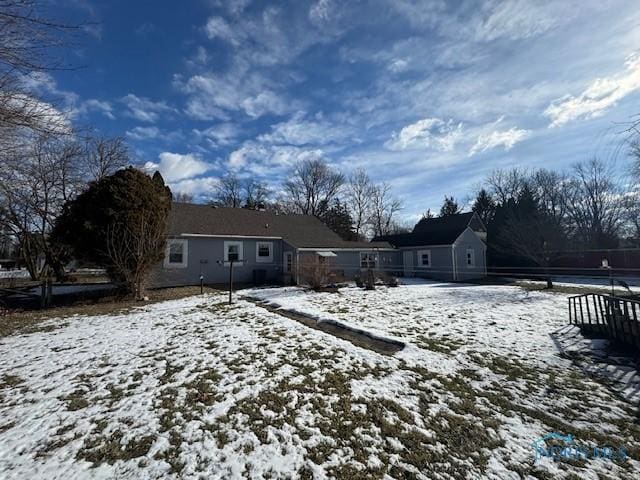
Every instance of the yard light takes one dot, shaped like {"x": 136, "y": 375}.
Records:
{"x": 605, "y": 265}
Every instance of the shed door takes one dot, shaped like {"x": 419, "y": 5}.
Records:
{"x": 287, "y": 266}
{"x": 407, "y": 262}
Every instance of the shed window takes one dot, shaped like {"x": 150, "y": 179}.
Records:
{"x": 368, "y": 260}
{"x": 424, "y": 258}
{"x": 471, "y": 258}
{"x": 176, "y": 254}
{"x": 264, "y": 252}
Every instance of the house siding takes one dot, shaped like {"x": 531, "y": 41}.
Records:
{"x": 349, "y": 262}
{"x": 441, "y": 262}
{"x": 211, "y": 252}
{"x": 469, "y": 239}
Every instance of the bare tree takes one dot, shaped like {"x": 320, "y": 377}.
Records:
{"x": 182, "y": 197}
{"x": 359, "y": 193}
{"x": 105, "y": 155}
{"x": 34, "y": 185}
{"x": 632, "y": 196}
{"x": 594, "y": 204}
{"x": 312, "y": 185}
{"x": 536, "y": 238}
{"x": 132, "y": 248}
{"x": 549, "y": 188}
{"x": 255, "y": 194}
{"x": 27, "y": 41}
{"x": 384, "y": 207}
{"x": 229, "y": 192}
{"x": 507, "y": 184}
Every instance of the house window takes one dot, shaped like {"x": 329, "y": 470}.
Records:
{"x": 368, "y": 260}
{"x": 233, "y": 251}
{"x": 471, "y": 258}
{"x": 424, "y": 258}
{"x": 176, "y": 254}
{"x": 264, "y": 252}
{"x": 288, "y": 262}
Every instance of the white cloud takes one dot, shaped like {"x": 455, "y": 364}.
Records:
{"x": 198, "y": 187}
{"x": 266, "y": 160}
{"x": 94, "y": 105}
{"x": 320, "y": 11}
{"x": 144, "y": 109}
{"x": 44, "y": 84}
{"x": 300, "y": 131}
{"x": 497, "y": 138}
{"x": 218, "y": 27}
{"x": 432, "y": 133}
{"x": 143, "y": 133}
{"x": 520, "y": 19}
{"x": 262, "y": 103}
{"x": 602, "y": 94}
{"x": 221, "y": 134}
{"x": 175, "y": 166}
{"x": 214, "y": 96}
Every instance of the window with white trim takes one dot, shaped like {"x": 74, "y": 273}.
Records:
{"x": 424, "y": 258}
{"x": 471, "y": 258}
{"x": 264, "y": 252}
{"x": 176, "y": 254}
{"x": 233, "y": 251}
{"x": 368, "y": 260}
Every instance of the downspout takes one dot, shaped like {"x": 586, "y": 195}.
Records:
{"x": 484, "y": 259}
{"x": 453, "y": 262}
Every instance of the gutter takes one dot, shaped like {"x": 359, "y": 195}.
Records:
{"x": 203, "y": 235}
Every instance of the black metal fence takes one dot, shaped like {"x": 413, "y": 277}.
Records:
{"x": 615, "y": 317}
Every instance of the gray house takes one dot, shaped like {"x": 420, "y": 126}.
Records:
{"x": 265, "y": 247}
{"x": 450, "y": 248}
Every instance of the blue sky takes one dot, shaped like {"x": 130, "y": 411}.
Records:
{"x": 429, "y": 96}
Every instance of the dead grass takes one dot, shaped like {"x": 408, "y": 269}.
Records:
{"x": 110, "y": 448}
{"x": 28, "y": 321}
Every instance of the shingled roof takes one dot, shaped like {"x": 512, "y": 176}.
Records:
{"x": 301, "y": 231}
{"x": 432, "y": 231}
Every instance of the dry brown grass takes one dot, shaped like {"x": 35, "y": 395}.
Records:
{"x": 28, "y": 321}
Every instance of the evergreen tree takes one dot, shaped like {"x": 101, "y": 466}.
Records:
{"x": 119, "y": 223}
{"x": 427, "y": 215}
{"x": 484, "y": 206}
{"x": 449, "y": 207}
{"x": 338, "y": 219}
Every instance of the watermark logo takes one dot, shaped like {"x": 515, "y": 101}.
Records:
{"x": 556, "y": 446}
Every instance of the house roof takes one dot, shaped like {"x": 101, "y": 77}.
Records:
{"x": 301, "y": 231}
{"x": 432, "y": 231}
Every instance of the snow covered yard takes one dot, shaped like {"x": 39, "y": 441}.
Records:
{"x": 195, "y": 388}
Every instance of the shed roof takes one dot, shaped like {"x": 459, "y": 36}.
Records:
{"x": 432, "y": 231}
{"x": 301, "y": 231}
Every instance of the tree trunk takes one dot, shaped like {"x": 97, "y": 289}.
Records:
{"x": 549, "y": 280}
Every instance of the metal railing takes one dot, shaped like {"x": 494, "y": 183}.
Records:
{"x": 616, "y": 317}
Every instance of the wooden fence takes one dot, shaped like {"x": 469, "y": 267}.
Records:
{"x": 615, "y": 317}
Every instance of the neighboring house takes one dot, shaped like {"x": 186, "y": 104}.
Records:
{"x": 448, "y": 248}
{"x": 266, "y": 247}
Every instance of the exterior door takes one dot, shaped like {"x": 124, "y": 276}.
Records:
{"x": 407, "y": 263}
